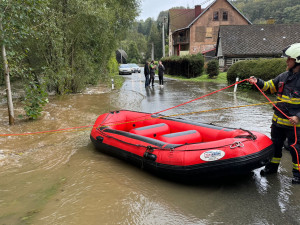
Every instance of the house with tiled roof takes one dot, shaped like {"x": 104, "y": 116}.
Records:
{"x": 237, "y": 43}
{"x": 196, "y": 30}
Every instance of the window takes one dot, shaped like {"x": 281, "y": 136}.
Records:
{"x": 216, "y": 16}
{"x": 208, "y": 32}
{"x": 225, "y": 16}
{"x": 200, "y": 34}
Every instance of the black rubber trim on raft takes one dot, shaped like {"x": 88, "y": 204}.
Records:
{"x": 234, "y": 166}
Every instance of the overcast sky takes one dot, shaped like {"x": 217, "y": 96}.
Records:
{"x": 151, "y": 8}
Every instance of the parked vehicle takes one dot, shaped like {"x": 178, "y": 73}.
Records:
{"x": 125, "y": 69}
{"x": 135, "y": 68}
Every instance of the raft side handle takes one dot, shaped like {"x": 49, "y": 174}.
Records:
{"x": 252, "y": 136}
{"x": 237, "y": 144}
{"x": 149, "y": 149}
{"x": 100, "y": 139}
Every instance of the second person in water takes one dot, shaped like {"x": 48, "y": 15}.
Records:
{"x": 161, "y": 70}
{"x": 152, "y": 73}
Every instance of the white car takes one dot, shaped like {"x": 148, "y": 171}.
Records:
{"x": 135, "y": 68}
{"x": 125, "y": 69}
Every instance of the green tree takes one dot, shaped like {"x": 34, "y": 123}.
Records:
{"x": 156, "y": 39}
{"x": 83, "y": 33}
{"x": 139, "y": 40}
{"x": 259, "y": 11}
{"x": 133, "y": 52}
{"x": 65, "y": 44}
{"x": 18, "y": 21}
{"x": 291, "y": 14}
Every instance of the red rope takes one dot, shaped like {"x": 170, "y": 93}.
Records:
{"x": 47, "y": 131}
{"x": 72, "y": 128}
{"x": 295, "y": 128}
{"x": 293, "y": 146}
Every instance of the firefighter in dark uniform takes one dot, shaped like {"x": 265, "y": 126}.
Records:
{"x": 287, "y": 87}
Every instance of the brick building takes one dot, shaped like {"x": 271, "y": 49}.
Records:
{"x": 196, "y": 30}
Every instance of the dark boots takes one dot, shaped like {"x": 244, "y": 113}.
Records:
{"x": 269, "y": 169}
{"x": 296, "y": 180}
{"x": 296, "y": 177}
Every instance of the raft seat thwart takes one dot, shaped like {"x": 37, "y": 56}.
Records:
{"x": 152, "y": 131}
{"x": 184, "y": 137}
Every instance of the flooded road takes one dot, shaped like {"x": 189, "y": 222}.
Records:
{"x": 59, "y": 178}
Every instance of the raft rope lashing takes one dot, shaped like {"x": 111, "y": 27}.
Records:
{"x": 295, "y": 127}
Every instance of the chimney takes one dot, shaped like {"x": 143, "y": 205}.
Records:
{"x": 197, "y": 10}
{"x": 271, "y": 20}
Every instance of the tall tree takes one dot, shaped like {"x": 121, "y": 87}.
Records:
{"x": 65, "y": 44}
{"x": 155, "y": 38}
{"x": 133, "y": 53}
{"x": 259, "y": 11}
{"x": 11, "y": 116}
{"x": 18, "y": 20}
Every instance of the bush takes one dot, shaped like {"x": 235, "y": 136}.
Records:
{"x": 111, "y": 72}
{"x": 35, "y": 99}
{"x": 112, "y": 65}
{"x": 265, "y": 69}
{"x": 212, "y": 68}
{"x": 188, "y": 66}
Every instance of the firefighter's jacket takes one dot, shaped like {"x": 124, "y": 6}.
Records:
{"x": 287, "y": 87}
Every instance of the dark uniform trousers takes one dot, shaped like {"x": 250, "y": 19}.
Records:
{"x": 279, "y": 135}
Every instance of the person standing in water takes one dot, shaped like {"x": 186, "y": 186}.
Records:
{"x": 147, "y": 74}
{"x": 287, "y": 87}
{"x": 161, "y": 70}
{"x": 152, "y": 73}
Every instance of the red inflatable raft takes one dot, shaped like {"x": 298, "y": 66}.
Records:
{"x": 180, "y": 148}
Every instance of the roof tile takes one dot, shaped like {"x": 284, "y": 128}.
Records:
{"x": 265, "y": 39}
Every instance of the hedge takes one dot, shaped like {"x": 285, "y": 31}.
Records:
{"x": 265, "y": 69}
{"x": 212, "y": 68}
{"x": 187, "y": 66}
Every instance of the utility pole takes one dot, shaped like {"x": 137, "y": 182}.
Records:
{"x": 121, "y": 55}
{"x": 152, "y": 52}
{"x": 163, "y": 36}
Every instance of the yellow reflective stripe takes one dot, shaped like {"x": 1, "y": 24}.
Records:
{"x": 269, "y": 84}
{"x": 283, "y": 121}
{"x": 272, "y": 87}
{"x": 266, "y": 86}
{"x": 275, "y": 160}
{"x": 289, "y": 100}
{"x": 295, "y": 166}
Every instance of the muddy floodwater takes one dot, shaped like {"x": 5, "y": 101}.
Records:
{"x": 59, "y": 177}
